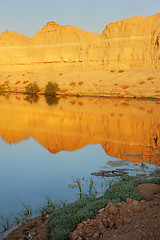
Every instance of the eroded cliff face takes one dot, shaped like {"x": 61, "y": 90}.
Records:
{"x": 129, "y": 130}
{"x": 129, "y": 44}
{"x": 132, "y": 43}
{"x": 54, "y": 48}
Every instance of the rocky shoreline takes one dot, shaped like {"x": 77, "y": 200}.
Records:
{"x": 117, "y": 221}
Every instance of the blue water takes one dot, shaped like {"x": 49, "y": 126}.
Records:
{"x": 29, "y": 172}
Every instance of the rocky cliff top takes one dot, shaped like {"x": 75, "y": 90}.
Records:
{"x": 11, "y": 38}
{"x": 53, "y": 33}
{"x": 132, "y": 43}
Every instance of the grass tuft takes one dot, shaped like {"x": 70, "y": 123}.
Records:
{"x": 6, "y": 222}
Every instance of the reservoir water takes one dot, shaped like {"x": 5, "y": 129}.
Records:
{"x": 44, "y": 143}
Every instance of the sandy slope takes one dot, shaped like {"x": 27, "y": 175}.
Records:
{"x": 130, "y": 83}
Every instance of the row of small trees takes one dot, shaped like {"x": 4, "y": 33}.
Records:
{"x": 50, "y": 89}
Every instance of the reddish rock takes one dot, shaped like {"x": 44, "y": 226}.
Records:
{"x": 153, "y": 204}
{"x": 126, "y": 221}
{"x": 88, "y": 232}
{"x": 111, "y": 222}
{"x": 93, "y": 223}
{"x": 105, "y": 222}
{"x": 82, "y": 234}
{"x": 113, "y": 210}
{"x": 88, "y": 220}
{"x": 137, "y": 209}
{"x": 74, "y": 235}
{"x": 101, "y": 210}
{"x": 109, "y": 205}
{"x": 134, "y": 202}
{"x": 128, "y": 200}
{"x": 119, "y": 223}
{"x": 80, "y": 226}
{"x": 80, "y": 238}
{"x": 95, "y": 236}
{"x": 101, "y": 226}
{"x": 118, "y": 204}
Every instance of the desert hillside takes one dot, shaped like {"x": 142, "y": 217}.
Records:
{"x": 122, "y": 61}
{"x": 129, "y": 44}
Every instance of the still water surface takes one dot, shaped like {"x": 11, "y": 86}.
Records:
{"x": 44, "y": 143}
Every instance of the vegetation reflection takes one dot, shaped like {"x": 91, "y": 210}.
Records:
{"x": 51, "y": 100}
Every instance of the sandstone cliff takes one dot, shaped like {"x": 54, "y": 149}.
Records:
{"x": 132, "y": 43}
{"x": 10, "y": 38}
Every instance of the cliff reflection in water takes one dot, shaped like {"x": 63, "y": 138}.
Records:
{"x": 126, "y": 129}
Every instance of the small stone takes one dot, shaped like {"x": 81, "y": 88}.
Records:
{"x": 101, "y": 210}
{"x": 154, "y": 204}
{"x": 74, "y": 235}
{"x": 126, "y": 221}
{"x": 88, "y": 220}
{"x": 100, "y": 214}
{"x": 131, "y": 214}
{"x": 101, "y": 226}
{"x": 93, "y": 223}
{"x": 143, "y": 201}
{"x": 113, "y": 210}
{"x": 134, "y": 202}
{"x": 112, "y": 216}
{"x": 81, "y": 234}
{"x": 109, "y": 204}
{"x": 80, "y": 226}
{"x": 95, "y": 236}
{"x": 119, "y": 223}
{"x": 88, "y": 232}
{"x": 119, "y": 204}
{"x": 129, "y": 200}
{"x": 111, "y": 223}
{"x": 80, "y": 238}
{"x": 105, "y": 222}
{"x": 137, "y": 209}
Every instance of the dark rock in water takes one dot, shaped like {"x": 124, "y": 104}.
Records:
{"x": 126, "y": 172}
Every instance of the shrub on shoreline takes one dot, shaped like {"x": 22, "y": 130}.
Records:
{"x": 32, "y": 88}
{"x": 51, "y": 88}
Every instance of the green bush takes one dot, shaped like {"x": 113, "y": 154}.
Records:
{"x": 32, "y": 88}
{"x": 65, "y": 220}
{"x": 51, "y": 88}
{"x": 123, "y": 190}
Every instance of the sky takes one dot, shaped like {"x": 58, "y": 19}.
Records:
{"x": 29, "y": 16}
